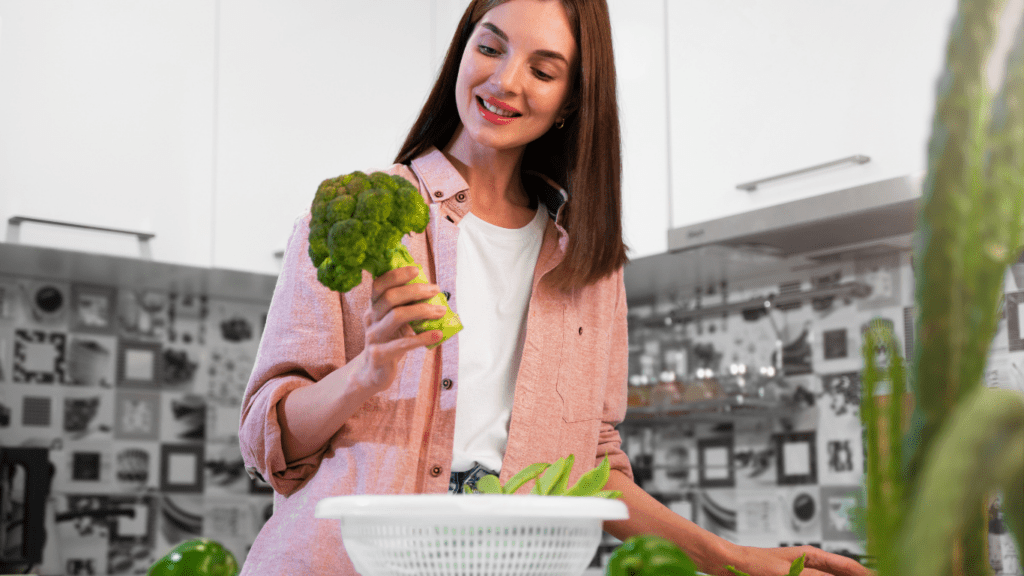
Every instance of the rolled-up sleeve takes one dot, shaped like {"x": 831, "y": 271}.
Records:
{"x": 303, "y": 341}
{"x": 615, "y": 397}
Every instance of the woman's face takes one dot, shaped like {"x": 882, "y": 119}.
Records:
{"x": 516, "y": 73}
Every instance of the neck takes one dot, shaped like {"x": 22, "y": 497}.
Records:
{"x": 492, "y": 175}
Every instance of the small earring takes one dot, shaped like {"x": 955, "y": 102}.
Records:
{"x": 560, "y": 123}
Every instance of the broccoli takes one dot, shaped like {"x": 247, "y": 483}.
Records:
{"x": 357, "y": 224}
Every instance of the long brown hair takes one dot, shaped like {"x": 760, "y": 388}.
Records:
{"x": 584, "y": 156}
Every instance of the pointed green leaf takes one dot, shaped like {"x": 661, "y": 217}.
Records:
{"x": 489, "y": 485}
{"x": 797, "y": 566}
{"x": 735, "y": 571}
{"x": 558, "y": 488}
{"x": 547, "y": 480}
{"x": 1013, "y": 508}
{"x": 523, "y": 476}
{"x": 979, "y": 449}
{"x": 593, "y": 481}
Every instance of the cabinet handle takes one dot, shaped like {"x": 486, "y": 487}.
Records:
{"x": 14, "y": 230}
{"x": 751, "y": 186}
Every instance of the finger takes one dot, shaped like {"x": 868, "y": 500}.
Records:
{"x": 397, "y": 348}
{"x": 367, "y": 318}
{"x": 403, "y": 295}
{"x": 392, "y": 325}
{"x": 407, "y": 331}
{"x": 391, "y": 279}
{"x": 835, "y": 564}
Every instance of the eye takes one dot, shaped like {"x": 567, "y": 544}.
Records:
{"x": 543, "y": 76}
{"x": 487, "y": 50}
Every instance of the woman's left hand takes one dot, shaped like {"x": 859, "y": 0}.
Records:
{"x": 776, "y": 562}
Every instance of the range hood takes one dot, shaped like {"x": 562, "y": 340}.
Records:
{"x": 853, "y": 216}
{"x": 773, "y": 243}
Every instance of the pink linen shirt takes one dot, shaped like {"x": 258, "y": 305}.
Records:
{"x": 569, "y": 395}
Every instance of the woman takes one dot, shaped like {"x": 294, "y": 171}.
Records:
{"x": 346, "y": 399}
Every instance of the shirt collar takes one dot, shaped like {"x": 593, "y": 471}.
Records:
{"x": 442, "y": 181}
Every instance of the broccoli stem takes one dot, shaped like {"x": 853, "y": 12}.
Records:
{"x": 449, "y": 324}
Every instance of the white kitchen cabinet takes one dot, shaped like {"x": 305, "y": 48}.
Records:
{"x": 106, "y": 119}
{"x": 638, "y": 36}
{"x": 444, "y": 19}
{"x": 759, "y": 89}
{"x": 307, "y": 91}
{"x": 208, "y": 124}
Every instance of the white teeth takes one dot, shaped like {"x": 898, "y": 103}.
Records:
{"x": 498, "y": 111}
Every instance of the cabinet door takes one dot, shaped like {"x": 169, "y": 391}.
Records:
{"x": 638, "y": 34}
{"x": 106, "y": 119}
{"x": 765, "y": 88}
{"x": 307, "y": 91}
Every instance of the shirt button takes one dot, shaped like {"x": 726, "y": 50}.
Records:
{"x": 461, "y": 196}
{"x": 438, "y": 194}
{"x": 446, "y": 383}
{"x": 435, "y": 471}
{"x": 448, "y": 296}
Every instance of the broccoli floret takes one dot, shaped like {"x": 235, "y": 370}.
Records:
{"x": 358, "y": 221}
{"x": 357, "y": 224}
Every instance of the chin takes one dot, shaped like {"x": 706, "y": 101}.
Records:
{"x": 507, "y": 141}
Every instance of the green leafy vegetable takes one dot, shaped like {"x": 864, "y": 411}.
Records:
{"x": 593, "y": 481}
{"x": 523, "y": 476}
{"x": 552, "y": 480}
{"x": 798, "y": 566}
{"x": 489, "y": 485}
{"x": 551, "y": 477}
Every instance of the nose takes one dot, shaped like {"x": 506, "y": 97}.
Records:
{"x": 506, "y": 77}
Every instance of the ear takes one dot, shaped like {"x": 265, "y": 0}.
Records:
{"x": 570, "y": 106}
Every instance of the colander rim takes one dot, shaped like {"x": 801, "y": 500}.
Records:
{"x": 477, "y": 505}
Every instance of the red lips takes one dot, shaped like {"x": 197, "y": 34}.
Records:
{"x": 495, "y": 118}
{"x": 499, "y": 104}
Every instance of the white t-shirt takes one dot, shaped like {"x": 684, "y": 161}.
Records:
{"x": 493, "y": 283}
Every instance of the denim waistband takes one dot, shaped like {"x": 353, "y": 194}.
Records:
{"x": 459, "y": 480}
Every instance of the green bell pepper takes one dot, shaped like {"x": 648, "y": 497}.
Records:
{"x": 199, "y": 557}
{"x": 650, "y": 555}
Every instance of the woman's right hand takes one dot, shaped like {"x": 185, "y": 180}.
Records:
{"x": 393, "y": 304}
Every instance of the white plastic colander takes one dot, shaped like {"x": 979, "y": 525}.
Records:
{"x": 470, "y": 535}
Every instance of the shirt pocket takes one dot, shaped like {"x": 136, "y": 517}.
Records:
{"x": 584, "y": 366}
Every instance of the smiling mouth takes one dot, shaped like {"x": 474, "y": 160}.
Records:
{"x": 496, "y": 110}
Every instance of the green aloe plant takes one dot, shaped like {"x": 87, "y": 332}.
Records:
{"x": 927, "y": 501}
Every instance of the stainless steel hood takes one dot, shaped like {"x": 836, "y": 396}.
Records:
{"x": 845, "y": 217}
{"x": 771, "y": 243}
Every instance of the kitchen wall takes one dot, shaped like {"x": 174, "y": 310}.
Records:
{"x": 136, "y": 391}
{"x": 784, "y": 465}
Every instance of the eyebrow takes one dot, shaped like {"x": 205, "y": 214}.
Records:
{"x": 543, "y": 53}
